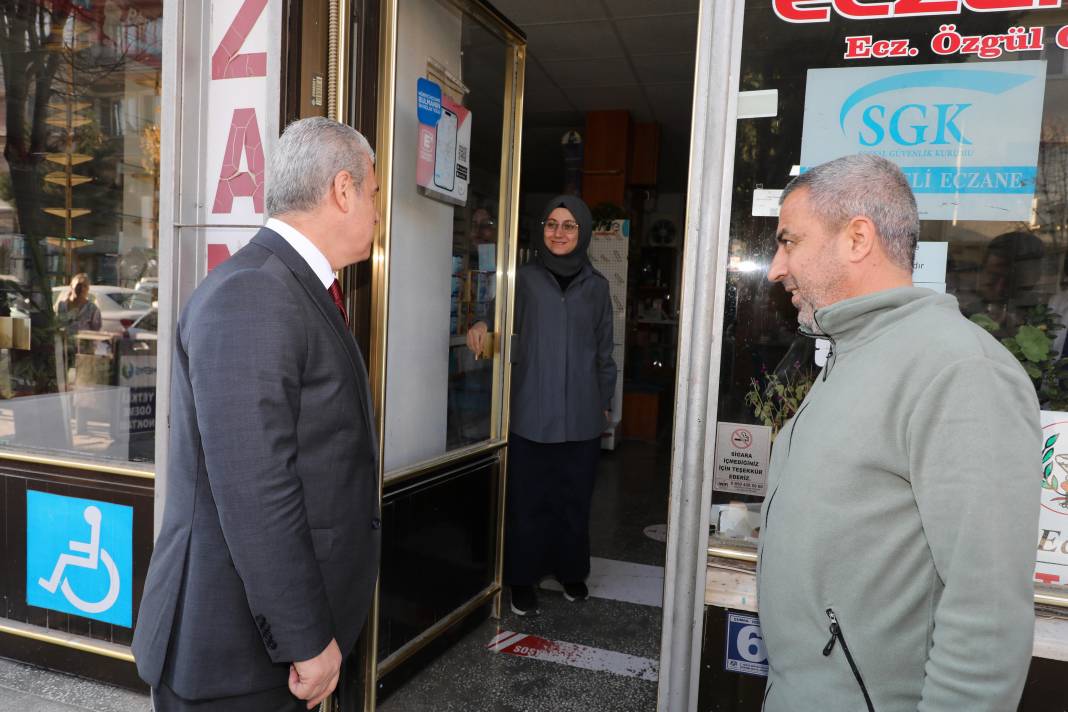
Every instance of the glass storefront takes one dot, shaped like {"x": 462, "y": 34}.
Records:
{"x": 973, "y": 106}
{"x": 79, "y": 204}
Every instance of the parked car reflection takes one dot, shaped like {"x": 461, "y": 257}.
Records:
{"x": 145, "y": 328}
{"x": 148, "y": 285}
{"x": 13, "y": 300}
{"x": 119, "y": 307}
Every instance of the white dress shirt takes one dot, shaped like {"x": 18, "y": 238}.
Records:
{"x": 305, "y": 248}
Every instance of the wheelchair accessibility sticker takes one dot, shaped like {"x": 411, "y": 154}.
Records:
{"x": 79, "y": 557}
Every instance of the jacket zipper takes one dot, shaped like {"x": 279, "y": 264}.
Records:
{"x": 563, "y": 299}
{"x": 836, "y": 634}
{"x": 821, "y": 334}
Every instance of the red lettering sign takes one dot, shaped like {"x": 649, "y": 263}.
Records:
{"x": 863, "y": 47}
{"x": 800, "y": 11}
{"x": 908, "y": 8}
{"x": 233, "y": 183}
{"x": 997, "y": 5}
{"x": 862, "y": 10}
{"x": 217, "y": 254}
{"x": 1016, "y": 39}
{"x": 226, "y": 63}
{"x": 1062, "y": 37}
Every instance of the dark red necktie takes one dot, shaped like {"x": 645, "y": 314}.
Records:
{"x": 339, "y": 300}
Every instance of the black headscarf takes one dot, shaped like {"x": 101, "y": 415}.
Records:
{"x": 569, "y": 264}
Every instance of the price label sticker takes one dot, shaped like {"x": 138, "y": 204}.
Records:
{"x": 745, "y": 646}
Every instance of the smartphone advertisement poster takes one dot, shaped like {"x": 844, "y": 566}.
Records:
{"x": 444, "y": 164}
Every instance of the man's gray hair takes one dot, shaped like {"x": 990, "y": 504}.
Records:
{"x": 867, "y": 185}
{"x": 307, "y": 157}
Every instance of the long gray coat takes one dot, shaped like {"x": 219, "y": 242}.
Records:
{"x": 270, "y": 539}
{"x": 564, "y": 376}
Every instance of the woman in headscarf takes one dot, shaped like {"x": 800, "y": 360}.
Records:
{"x": 563, "y": 379}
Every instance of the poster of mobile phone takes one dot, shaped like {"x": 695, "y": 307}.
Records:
{"x": 444, "y": 155}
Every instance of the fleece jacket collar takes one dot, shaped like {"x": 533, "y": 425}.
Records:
{"x": 851, "y": 323}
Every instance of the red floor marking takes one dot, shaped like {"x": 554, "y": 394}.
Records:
{"x": 581, "y": 656}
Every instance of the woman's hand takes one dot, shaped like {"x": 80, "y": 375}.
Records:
{"x": 476, "y": 338}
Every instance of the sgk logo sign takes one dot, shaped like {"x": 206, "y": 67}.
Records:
{"x": 888, "y": 111}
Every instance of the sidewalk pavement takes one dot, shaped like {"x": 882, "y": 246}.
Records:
{"x": 24, "y": 688}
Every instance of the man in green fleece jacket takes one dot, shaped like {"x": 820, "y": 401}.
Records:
{"x": 898, "y": 536}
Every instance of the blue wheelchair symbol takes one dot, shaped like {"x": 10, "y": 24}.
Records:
{"x": 79, "y": 557}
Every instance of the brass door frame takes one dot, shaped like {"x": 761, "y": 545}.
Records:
{"x": 506, "y": 264}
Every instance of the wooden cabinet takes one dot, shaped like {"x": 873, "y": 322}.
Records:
{"x": 641, "y": 414}
{"x": 618, "y": 153}
{"x": 645, "y": 155}
{"x": 606, "y": 157}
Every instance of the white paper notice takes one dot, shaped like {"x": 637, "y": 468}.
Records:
{"x": 766, "y": 203}
{"x": 930, "y": 262}
{"x": 742, "y": 456}
{"x": 929, "y": 265}
{"x": 758, "y": 104}
{"x": 1051, "y": 559}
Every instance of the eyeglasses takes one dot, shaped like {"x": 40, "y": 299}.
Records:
{"x": 569, "y": 226}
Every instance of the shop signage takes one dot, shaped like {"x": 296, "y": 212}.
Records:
{"x": 138, "y": 374}
{"x": 805, "y": 11}
{"x": 965, "y": 135}
{"x": 241, "y": 120}
{"x": 745, "y": 646}
{"x": 1051, "y": 560}
{"x": 79, "y": 557}
{"x": 443, "y": 166}
{"x": 743, "y": 453}
{"x": 950, "y": 42}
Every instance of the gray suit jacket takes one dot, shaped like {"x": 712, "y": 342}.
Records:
{"x": 270, "y": 538}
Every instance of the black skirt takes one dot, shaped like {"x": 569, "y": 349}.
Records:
{"x": 547, "y": 521}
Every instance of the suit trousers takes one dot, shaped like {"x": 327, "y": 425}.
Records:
{"x": 547, "y": 521}
{"x": 277, "y": 699}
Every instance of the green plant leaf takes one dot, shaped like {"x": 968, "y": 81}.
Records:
{"x": 1033, "y": 343}
{"x": 1053, "y": 481}
{"x": 986, "y": 322}
{"x": 1051, "y": 439}
{"x": 1032, "y": 370}
{"x": 1048, "y": 455}
{"x": 1013, "y": 347}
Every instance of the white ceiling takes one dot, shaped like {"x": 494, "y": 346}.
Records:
{"x": 586, "y": 55}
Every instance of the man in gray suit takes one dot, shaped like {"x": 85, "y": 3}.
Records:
{"x": 262, "y": 574}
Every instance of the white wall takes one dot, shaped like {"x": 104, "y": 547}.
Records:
{"x": 420, "y": 254}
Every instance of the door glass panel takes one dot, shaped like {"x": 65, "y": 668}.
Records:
{"x": 988, "y": 166}
{"x": 448, "y": 205}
